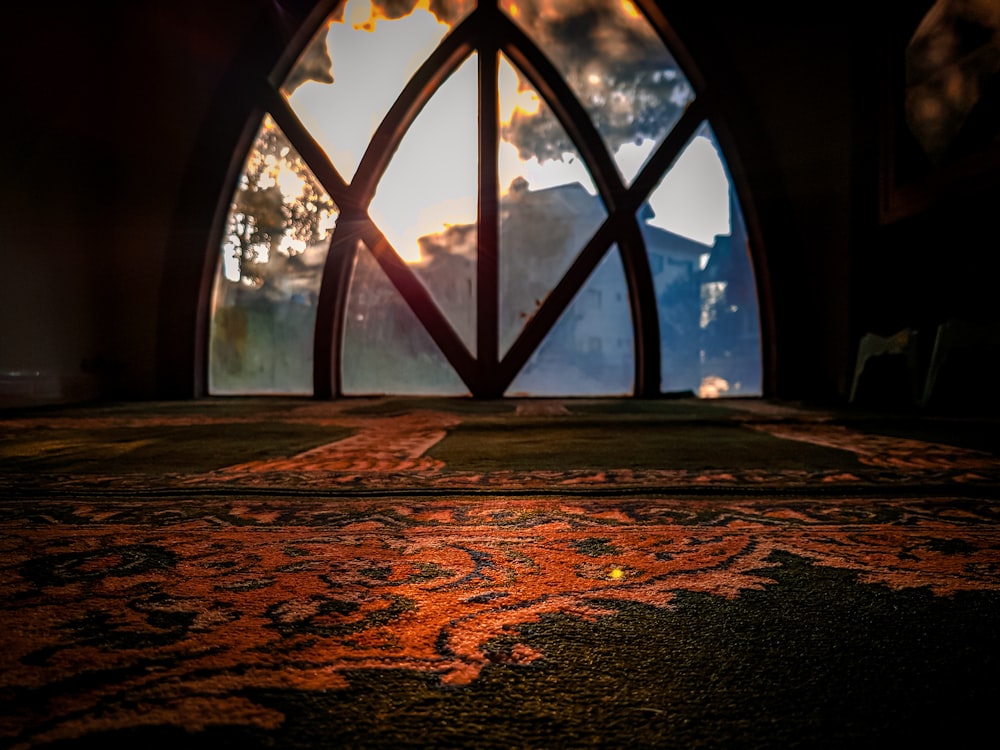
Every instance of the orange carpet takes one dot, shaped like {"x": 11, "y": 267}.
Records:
{"x": 413, "y": 573}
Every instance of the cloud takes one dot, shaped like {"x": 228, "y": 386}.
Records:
{"x": 615, "y": 63}
{"x": 446, "y": 11}
{"x": 613, "y": 60}
{"x": 315, "y": 64}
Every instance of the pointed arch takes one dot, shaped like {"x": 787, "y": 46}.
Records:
{"x": 486, "y": 32}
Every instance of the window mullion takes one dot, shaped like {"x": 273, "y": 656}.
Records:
{"x": 643, "y": 306}
{"x": 487, "y": 263}
{"x": 328, "y": 337}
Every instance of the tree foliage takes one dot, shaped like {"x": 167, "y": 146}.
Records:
{"x": 622, "y": 73}
{"x": 279, "y": 207}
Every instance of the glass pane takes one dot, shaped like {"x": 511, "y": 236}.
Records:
{"x": 386, "y": 349}
{"x": 269, "y": 273}
{"x": 618, "y": 67}
{"x": 427, "y": 200}
{"x": 357, "y": 64}
{"x": 588, "y": 352}
{"x": 705, "y": 288}
{"x": 548, "y": 204}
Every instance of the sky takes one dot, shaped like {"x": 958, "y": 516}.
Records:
{"x": 431, "y": 181}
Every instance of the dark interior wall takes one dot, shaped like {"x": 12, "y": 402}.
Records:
{"x": 925, "y": 248}
{"x": 177, "y": 53}
{"x": 107, "y": 100}
{"x": 111, "y": 106}
{"x": 47, "y": 288}
{"x": 934, "y": 266}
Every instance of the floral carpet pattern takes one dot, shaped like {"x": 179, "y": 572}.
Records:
{"x": 140, "y": 599}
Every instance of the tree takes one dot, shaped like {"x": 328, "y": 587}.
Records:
{"x": 277, "y": 197}
{"x": 620, "y": 70}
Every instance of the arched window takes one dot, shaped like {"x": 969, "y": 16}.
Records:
{"x": 513, "y": 197}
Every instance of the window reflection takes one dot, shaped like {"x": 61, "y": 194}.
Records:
{"x": 268, "y": 275}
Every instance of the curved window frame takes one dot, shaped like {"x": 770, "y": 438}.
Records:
{"x": 488, "y": 32}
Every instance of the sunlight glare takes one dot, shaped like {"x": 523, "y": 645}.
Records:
{"x": 360, "y": 15}
{"x": 630, "y": 10}
{"x": 692, "y": 199}
{"x": 432, "y": 181}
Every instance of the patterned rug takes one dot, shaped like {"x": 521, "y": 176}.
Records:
{"x": 434, "y": 573}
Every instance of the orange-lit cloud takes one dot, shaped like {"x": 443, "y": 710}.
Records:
{"x": 630, "y": 10}
{"x": 516, "y": 96}
{"x": 365, "y": 14}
